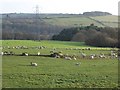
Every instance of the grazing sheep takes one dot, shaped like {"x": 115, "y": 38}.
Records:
{"x": 102, "y": 55}
{"x": 2, "y": 53}
{"x": 68, "y": 58}
{"x": 25, "y": 54}
{"x": 77, "y": 64}
{"x": 8, "y": 47}
{"x": 116, "y": 56}
{"x": 113, "y": 54}
{"x": 83, "y": 55}
{"x": 57, "y": 56}
{"x": 5, "y": 52}
{"x": 74, "y": 58}
{"x": 38, "y": 53}
{"x": 91, "y": 57}
{"x": 33, "y": 64}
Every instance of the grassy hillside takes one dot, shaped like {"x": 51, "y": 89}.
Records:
{"x": 71, "y": 21}
{"x": 49, "y": 25}
{"x": 67, "y": 20}
{"x": 111, "y": 21}
{"x": 110, "y": 18}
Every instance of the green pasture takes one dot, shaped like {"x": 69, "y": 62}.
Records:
{"x": 71, "y": 21}
{"x": 73, "y": 47}
{"x": 110, "y": 18}
{"x": 77, "y": 21}
{"x": 57, "y": 72}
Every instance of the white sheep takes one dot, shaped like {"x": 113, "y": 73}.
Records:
{"x": 68, "y": 58}
{"x": 2, "y": 53}
{"x": 92, "y": 57}
{"x": 102, "y": 55}
{"x": 74, "y": 58}
{"x": 38, "y": 53}
{"x": 33, "y": 64}
{"x": 116, "y": 56}
{"x": 83, "y": 55}
{"x": 77, "y": 64}
{"x": 26, "y": 54}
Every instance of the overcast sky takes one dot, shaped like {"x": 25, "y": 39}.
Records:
{"x": 58, "y": 6}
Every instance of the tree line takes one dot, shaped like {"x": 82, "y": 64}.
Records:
{"x": 91, "y": 35}
{"x": 28, "y": 29}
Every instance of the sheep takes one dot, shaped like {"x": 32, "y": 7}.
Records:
{"x": 25, "y": 54}
{"x": 57, "y": 56}
{"x": 8, "y": 47}
{"x": 2, "y": 53}
{"x": 113, "y": 55}
{"x": 83, "y": 55}
{"x": 91, "y": 56}
{"x": 38, "y": 53}
{"x": 74, "y": 58}
{"x": 102, "y": 55}
{"x": 116, "y": 56}
{"x": 5, "y": 52}
{"x": 77, "y": 64}
{"x": 33, "y": 64}
{"x": 68, "y": 58}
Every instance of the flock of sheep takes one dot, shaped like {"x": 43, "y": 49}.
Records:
{"x": 58, "y": 54}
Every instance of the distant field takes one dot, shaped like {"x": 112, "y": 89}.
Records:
{"x": 60, "y": 45}
{"x": 111, "y": 21}
{"x": 77, "y": 21}
{"x": 57, "y": 72}
{"x": 111, "y": 18}
{"x": 72, "y": 21}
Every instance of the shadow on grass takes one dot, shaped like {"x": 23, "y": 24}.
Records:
{"x": 73, "y": 43}
{"x": 24, "y": 65}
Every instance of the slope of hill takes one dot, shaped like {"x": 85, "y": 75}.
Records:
{"x": 69, "y": 20}
{"x": 101, "y": 21}
{"x": 110, "y": 20}
{"x": 46, "y": 25}
{"x": 72, "y": 21}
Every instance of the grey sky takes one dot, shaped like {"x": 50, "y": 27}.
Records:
{"x": 59, "y": 6}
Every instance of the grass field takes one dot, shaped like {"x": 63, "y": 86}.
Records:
{"x": 57, "y": 72}
{"x": 71, "y": 22}
{"x": 76, "y": 21}
{"x": 111, "y": 21}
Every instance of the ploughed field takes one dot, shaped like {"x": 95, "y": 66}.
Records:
{"x": 59, "y": 65}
